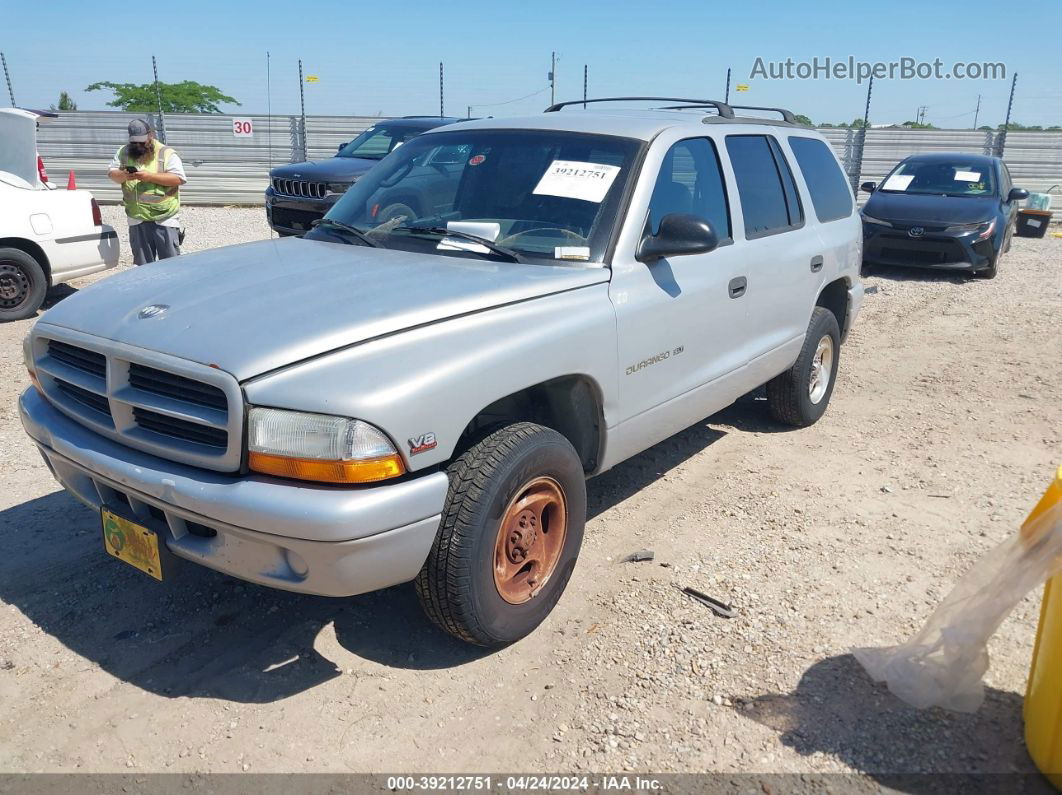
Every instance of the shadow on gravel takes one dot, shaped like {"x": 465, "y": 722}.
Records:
{"x": 57, "y": 294}
{"x": 204, "y": 634}
{"x": 918, "y": 274}
{"x": 838, "y": 710}
{"x": 200, "y": 633}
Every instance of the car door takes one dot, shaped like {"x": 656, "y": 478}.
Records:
{"x": 785, "y": 256}
{"x": 680, "y": 320}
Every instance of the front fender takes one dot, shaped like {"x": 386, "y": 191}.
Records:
{"x": 434, "y": 379}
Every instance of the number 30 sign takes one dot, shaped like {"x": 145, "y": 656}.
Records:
{"x": 242, "y": 128}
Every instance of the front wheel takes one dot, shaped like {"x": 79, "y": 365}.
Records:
{"x": 23, "y": 285}
{"x": 509, "y": 537}
{"x": 799, "y": 396}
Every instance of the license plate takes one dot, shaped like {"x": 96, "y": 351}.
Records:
{"x": 132, "y": 543}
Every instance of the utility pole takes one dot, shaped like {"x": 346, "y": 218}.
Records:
{"x": 586, "y": 72}
{"x": 553, "y": 78}
{"x": 727, "y": 99}
{"x": 920, "y": 114}
{"x": 7, "y": 76}
{"x": 158, "y": 97}
{"x": 1001, "y": 141}
{"x": 469, "y": 115}
{"x": 977, "y": 111}
{"x": 857, "y": 165}
{"x": 302, "y": 114}
{"x": 269, "y": 116}
{"x": 441, "y": 114}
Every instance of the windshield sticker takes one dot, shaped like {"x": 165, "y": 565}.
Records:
{"x": 898, "y": 182}
{"x": 967, "y": 176}
{"x": 571, "y": 179}
{"x": 475, "y": 160}
{"x": 572, "y": 252}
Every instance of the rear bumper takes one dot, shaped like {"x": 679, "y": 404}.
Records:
{"x": 310, "y": 539}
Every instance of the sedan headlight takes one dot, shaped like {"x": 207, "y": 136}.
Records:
{"x": 872, "y": 220}
{"x": 319, "y": 447}
{"x": 984, "y": 229}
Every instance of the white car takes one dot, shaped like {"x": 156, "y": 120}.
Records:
{"x": 47, "y": 235}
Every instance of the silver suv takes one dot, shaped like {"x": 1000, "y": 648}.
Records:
{"x": 422, "y": 396}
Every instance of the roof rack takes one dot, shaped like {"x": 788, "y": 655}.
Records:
{"x": 722, "y": 108}
{"x": 787, "y": 115}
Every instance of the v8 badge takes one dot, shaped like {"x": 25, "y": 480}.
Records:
{"x": 422, "y": 443}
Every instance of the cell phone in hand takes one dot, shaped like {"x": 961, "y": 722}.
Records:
{"x": 131, "y": 169}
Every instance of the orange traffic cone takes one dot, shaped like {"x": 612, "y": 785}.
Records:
{"x": 71, "y": 184}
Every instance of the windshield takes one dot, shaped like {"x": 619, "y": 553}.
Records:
{"x": 941, "y": 178}
{"x": 529, "y": 194}
{"x": 377, "y": 142}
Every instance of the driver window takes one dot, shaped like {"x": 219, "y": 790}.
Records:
{"x": 690, "y": 181}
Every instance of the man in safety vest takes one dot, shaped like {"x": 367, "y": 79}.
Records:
{"x": 150, "y": 174}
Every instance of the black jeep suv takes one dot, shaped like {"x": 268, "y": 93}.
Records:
{"x": 300, "y": 193}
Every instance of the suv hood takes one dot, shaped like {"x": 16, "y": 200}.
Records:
{"x": 252, "y": 308}
{"x": 909, "y": 207}
{"x": 335, "y": 169}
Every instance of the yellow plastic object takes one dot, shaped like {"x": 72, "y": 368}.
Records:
{"x": 1043, "y": 700}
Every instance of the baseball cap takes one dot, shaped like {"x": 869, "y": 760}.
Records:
{"x": 139, "y": 129}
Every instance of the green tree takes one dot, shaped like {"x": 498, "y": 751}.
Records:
{"x": 1015, "y": 126}
{"x": 985, "y": 127}
{"x": 65, "y": 102}
{"x": 802, "y": 119}
{"x": 857, "y": 124}
{"x": 918, "y": 125}
{"x": 185, "y": 97}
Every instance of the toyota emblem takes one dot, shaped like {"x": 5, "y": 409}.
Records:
{"x": 916, "y": 231}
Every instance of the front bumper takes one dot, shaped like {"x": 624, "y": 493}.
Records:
{"x": 293, "y": 215}
{"x": 884, "y": 245}
{"x": 331, "y": 541}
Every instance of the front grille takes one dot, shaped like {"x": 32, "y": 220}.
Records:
{"x": 175, "y": 386}
{"x": 91, "y": 400}
{"x": 180, "y": 429}
{"x": 303, "y": 189}
{"x": 294, "y": 219}
{"x": 163, "y": 405}
{"x": 80, "y": 358}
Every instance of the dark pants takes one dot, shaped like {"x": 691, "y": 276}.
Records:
{"x": 151, "y": 242}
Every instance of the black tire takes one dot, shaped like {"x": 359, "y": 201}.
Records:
{"x": 457, "y": 586}
{"x": 23, "y": 285}
{"x": 392, "y": 211}
{"x": 992, "y": 270}
{"x": 789, "y": 395}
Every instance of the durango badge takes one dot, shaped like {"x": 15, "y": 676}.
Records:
{"x": 422, "y": 443}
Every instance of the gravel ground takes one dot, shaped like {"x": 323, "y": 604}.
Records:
{"x": 944, "y": 429}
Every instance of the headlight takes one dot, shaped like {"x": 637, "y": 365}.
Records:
{"x": 984, "y": 229}
{"x": 338, "y": 187}
{"x": 872, "y": 220}
{"x": 319, "y": 447}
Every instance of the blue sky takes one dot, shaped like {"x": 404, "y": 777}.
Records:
{"x": 383, "y": 57}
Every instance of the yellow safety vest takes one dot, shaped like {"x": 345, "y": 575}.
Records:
{"x": 146, "y": 200}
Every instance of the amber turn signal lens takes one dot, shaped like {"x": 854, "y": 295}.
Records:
{"x": 369, "y": 470}
{"x": 36, "y": 383}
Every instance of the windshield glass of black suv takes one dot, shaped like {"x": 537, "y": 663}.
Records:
{"x": 542, "y": 194}
{"x": 376, "y": 142}
{"x": 941, "y": 178}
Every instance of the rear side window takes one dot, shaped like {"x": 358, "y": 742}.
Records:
{"x": 690, "y": 181}
{"x": 826, "y": 183}
{"x": 769, "y": 199}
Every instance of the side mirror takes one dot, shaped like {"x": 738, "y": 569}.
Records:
{"x": 1017, "y": 195}
{"x": 340, "y": 147}
{"x": 869, "y": 187}
{"x": 679, "y": 234}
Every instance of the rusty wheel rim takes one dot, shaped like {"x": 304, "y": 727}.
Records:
{"x": 530, "y": 540}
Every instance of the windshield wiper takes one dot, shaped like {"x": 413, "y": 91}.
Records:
{"x": 508, "y": 253}
{"x": 332, "y": 222}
